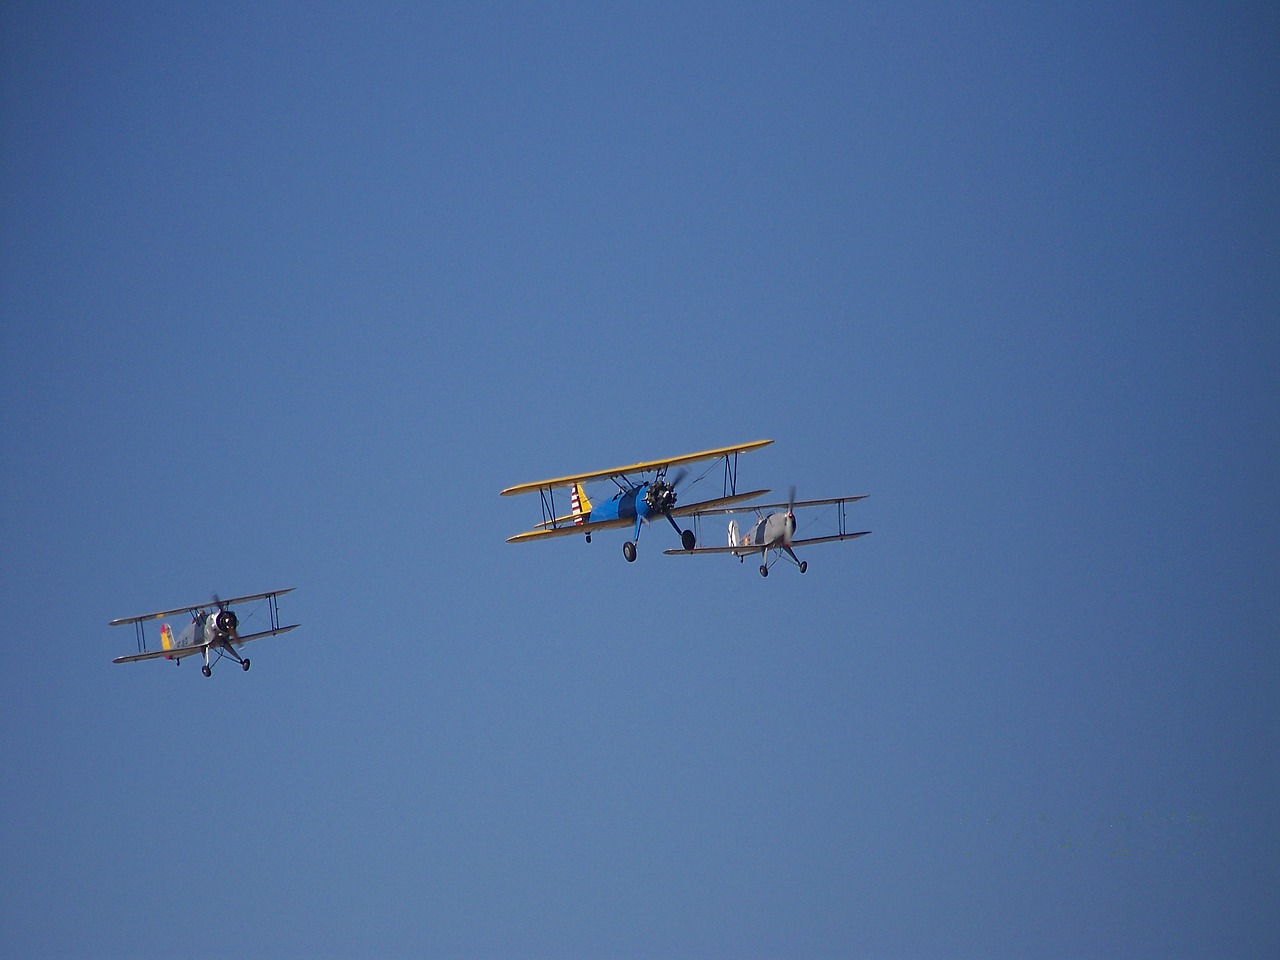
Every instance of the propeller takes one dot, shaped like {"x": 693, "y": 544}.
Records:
{"x": 661, "y": 495}
{"x": 227, "y": 621}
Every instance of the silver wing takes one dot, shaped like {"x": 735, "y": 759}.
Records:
{"x": 177, "y": 653}
{"x": 198, "y": 606}
{"x": 752, "y": 508}
{"x": 748, "y": 549}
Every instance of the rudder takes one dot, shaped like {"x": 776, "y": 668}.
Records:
{"x": 579, "y": 503}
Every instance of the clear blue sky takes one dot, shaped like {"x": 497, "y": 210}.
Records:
{"x": 289, "y": 292}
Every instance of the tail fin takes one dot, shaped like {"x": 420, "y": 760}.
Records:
{"x": 734, "y": 537}
{"x": 166, "y": 638}
{"x": 579, "y": 502}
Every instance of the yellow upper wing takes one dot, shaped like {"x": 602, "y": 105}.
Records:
{"x": 633, "y": 468}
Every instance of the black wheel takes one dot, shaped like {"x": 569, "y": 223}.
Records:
{"x": 244, "y": 665}
{"x": 629, "y": 551}
{"x": 206, "y": 671}
{"x": 764, "y": 571}
{"x": 688, "y": 540}
{"x": 588, "y": 538}
{"x": 804, "y": 565}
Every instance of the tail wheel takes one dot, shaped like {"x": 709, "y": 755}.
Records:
{"x": 629, "y": 551}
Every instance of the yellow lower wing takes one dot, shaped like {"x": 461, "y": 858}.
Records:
{"x": 571, "y": 529}
{"x": 589, "y": 527}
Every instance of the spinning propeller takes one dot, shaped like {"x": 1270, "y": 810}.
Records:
{"x": 226, "y": 621}
{"x": 661, "y": 495}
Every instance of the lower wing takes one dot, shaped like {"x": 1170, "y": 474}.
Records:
{"x": 571, "y": 528}
{"x": 697, "y": 509}
{"x": 174, "y": 653}
{"x": 177, "y": 653}
{"x": 589, "y": 526}
{"x": 745, "y": 550}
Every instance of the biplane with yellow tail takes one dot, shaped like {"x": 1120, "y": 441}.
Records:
{"x": 644, "y": 492}
{"x": 214, "y": 631}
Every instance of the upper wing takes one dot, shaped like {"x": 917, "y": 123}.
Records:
{"x": 590, "y": 527}
{"x": 633, "y": 468}
{"x": 177, "y": 653}
{"x": 197, "y": 606}
{"x": 782, "y": 506}
{"x": 750, "y": 549}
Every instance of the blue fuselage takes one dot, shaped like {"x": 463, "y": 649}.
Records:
{"x": 625, "y": 505}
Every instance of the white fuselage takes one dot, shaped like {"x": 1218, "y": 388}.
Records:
{"x": 203, "y": 630}
{"x": 772, "y": 531}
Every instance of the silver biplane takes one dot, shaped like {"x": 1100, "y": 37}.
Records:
{"x": 214, "y": 631}
{"x": 774, "y": 531}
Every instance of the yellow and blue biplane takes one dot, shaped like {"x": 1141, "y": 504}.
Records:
{"x": 644, "y": 493}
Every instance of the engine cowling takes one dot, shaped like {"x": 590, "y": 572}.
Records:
{"x": 227, "y": 621}
{"x": 661, "y": 496}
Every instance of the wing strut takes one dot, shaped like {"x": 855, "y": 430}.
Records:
{"x": 274, "y": 611}
{"x": 731, "y": 474}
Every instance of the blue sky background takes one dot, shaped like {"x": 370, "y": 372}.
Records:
{"x": 291, "y": 291}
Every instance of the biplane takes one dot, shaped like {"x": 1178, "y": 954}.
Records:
{"x": 644, "y": 492}
{"x": 214, "y": 630}
{"x": 774, "y": 531}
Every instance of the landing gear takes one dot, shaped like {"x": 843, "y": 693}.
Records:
{"x": 629, "y": 551}
{"x": 244, "y": 664}
{"x": 764, "y": 571}
{"x": 687, "y": 540}
{"x": 802, "y": 565}
{"x": 207, "y": 670}
{"x": 588, "y": 538}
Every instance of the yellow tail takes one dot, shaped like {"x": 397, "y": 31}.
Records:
{"x": 579, "y": 503}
